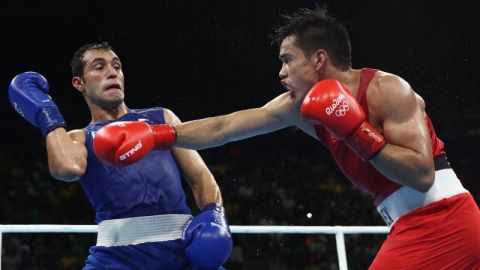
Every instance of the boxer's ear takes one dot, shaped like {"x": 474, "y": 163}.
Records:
{"x": 319, "y": 58}
{"x": 78, "y": 84}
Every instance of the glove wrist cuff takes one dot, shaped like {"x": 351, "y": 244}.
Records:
{"x": 165, "y": 136}
{"x": 50, "y": 118}
{"x": 213, "y": 207}
{"x": 366, "y": 141}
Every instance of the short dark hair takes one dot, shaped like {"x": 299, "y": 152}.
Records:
{"x": 315, "y": 29}
{"x": 77, "y": 64}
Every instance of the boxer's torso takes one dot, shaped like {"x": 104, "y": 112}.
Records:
{"x": 361, "y": 173}
{"x": 151, "y": 186}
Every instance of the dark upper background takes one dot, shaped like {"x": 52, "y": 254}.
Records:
{"x": 213, "y": 57}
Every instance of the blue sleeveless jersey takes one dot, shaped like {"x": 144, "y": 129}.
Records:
{"x": 152, "y": 186}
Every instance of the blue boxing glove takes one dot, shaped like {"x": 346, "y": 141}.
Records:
{"x": 28, "y": 93}
{"x": 208, "y": 239}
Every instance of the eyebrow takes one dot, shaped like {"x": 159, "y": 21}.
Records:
{"x": 284, "y": 56}
{"x": 96, "y": 60}
{"x": 101, "y": 59}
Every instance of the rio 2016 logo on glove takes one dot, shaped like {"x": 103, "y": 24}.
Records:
{"x": 342, "y": 106}
{"x": 342, "y": 109}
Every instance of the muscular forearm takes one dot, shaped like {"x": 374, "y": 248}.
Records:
{"x": 206, "y": 192}
{"x": 66, "y": 158}
{"x": 219, "y": 130}
{"x": 201, "y": 134}
{"x": 405, "y": 167}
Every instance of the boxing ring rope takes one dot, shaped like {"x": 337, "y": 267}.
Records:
{"x": 339, "y": 232}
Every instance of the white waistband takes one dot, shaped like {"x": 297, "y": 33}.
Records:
{"x": 136, "y": 230}
{"x": 406, "y": 199}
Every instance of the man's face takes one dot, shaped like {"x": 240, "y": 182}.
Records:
{"x": 298, "y": 72}
{"x": 103, "y": 78}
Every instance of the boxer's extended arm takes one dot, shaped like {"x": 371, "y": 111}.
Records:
{"x": 67, "y": 154}
{"x": 219, "y": 130}
{"x": 204, "y": 187}
{"x": 407, "y": 157}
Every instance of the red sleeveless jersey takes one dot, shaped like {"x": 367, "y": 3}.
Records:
{"x": 361, "y": 173}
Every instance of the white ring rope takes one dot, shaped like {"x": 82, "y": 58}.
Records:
{"x": 339, "y": 232}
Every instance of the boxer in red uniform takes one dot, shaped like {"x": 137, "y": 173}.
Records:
{"x": 379, "y": 134}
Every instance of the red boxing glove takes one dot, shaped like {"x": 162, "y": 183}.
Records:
{"x": 123, "y": 143}
{"x": 330, "y": 104}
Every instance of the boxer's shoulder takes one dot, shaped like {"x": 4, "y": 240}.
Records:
{"x": 387, "y": 90}
{"x": 384, "y": 83}
{"x": 170, "y": 117}
{"x": 283, "y": 107}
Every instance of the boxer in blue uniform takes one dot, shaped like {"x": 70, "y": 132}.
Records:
{"x": 142, "y": 216}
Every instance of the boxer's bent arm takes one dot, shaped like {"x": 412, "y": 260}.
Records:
{"x": 407, "y": 157}
{"x": 195, "y": 171}
{"x": 200, "y": 179}
{"x": 219, "y": 130}
{"x": 67, "y": 154}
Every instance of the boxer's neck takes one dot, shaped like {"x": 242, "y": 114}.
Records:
{"x": 101, "y": 114}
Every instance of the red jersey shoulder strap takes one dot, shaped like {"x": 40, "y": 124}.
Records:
{"x": 366, "y": 75}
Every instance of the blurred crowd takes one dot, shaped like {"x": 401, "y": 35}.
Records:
{"x": 275, "y": 180}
